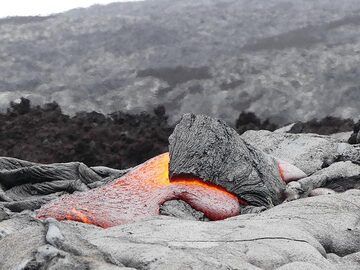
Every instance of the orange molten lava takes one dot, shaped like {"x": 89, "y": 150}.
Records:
{"x": 139, "y": 194}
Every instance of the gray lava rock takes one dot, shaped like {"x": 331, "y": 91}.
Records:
{"x": 3, "y": 213}
{"x": 339, "y": 177}
{"x": 181, "y": 209}
{"x": 320, "y": 232}
{"x": 300, "y": 233}
{"x": 27, "y": 185}
{"x": 20, "y": 243}
{"x": 308, "y": 152}
{"x": 313, "y": 154}
{"x": 209, "y": 149}
{"x": 53, "y": 235}
{"x": 16, "y": 172}
{"x": 355, "y": 136}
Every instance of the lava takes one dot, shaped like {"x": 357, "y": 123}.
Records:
{"x": 289, "y": 172}
{"x": 139, "y": 194}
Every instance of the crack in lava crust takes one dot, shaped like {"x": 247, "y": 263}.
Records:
{"x": 139, "y": 194}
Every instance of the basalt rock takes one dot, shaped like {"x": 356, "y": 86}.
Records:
{"x": 321, "y": 232}
{"x": 249, "y": 121}
{"x": 28, "y": 185}
{"x": 326, "y": 126}
{"x": 308, "y": 152}
{"x": 338, "y": 177}
{"x": 119, "y": 140}
{"x": 328, "y": 162}
{"x": 209, "y": 149}
{"x": 3, "y": 213}
{"x": 46, "y": 135}
{"x": 355, "y": 137}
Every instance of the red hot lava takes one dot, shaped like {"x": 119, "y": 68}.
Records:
{"x": 139, "y": 194}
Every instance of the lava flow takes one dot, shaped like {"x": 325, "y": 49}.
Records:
{"x": 139, "y": 194}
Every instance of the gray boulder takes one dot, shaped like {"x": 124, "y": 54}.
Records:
{"x": 211, "y": 150}
{"x": 339, "y": 177}
{"x": 308, "y": 152}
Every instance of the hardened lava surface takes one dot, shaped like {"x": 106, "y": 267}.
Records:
{"x": 139, "y": 194}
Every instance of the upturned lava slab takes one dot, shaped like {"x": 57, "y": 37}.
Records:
{"x": 139, "y": 194}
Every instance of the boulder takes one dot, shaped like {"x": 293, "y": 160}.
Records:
{"x": 207, "y": 148}
{"x": 308, "y": 152}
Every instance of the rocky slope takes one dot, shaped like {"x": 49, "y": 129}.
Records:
{"x": 284, "y": 60}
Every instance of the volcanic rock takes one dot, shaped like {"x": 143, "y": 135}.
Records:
{"x": 319, "y": 232}
{"x": 3, "y": 213}
{"x": 209, "y": 149}
{"x": 182, "y": 210}
{"x": 28, "y": 185}
{"x": 338, "y": 177}
{"x": 249, "y": 121}
{"x": 46, "y": 135}
{"x": 139, "y": 194}
{"x": 326, "y": 126}
{"x": 355, "y": 137}
{"x": 308, "y": 152}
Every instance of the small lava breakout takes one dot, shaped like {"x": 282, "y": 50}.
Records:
{"x": 139, "y": 194}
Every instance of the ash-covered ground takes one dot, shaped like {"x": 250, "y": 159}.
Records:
{"x": 118, "y": 140}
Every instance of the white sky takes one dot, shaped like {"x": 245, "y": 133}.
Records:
{"x": 45, "y": 7}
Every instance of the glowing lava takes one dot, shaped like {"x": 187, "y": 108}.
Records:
{"x": 139, "y": 194}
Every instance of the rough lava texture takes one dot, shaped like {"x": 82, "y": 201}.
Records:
{"x": 46, "y": 135}
{"x": 326, "y": 126}
{"x": 313, "y": 233}
{"x": 355, "y": 136}
{"x": 308, "y": 152}
{"x": 208, "y": 148}
{"x": 329, "y": 162}
{"x": 119, "y": 140}
{"x": 338, "y": 177}
{"x": 139, "y": 194}
{"x": 249, "y": 121}
{"x": 28, "y": 185}
{"x": 320, "y": 232}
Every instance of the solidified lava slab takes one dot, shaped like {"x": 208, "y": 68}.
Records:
{"x": 139, "y": 194}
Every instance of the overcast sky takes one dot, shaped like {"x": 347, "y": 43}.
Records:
{"x": 45, "y": 7}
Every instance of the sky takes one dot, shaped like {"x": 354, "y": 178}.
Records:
{"x": 45, "y": 7}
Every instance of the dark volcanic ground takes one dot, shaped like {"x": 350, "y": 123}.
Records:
{"x": 119, "y": 140}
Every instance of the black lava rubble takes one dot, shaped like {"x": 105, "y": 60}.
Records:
{"x": 45, "y": 135}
